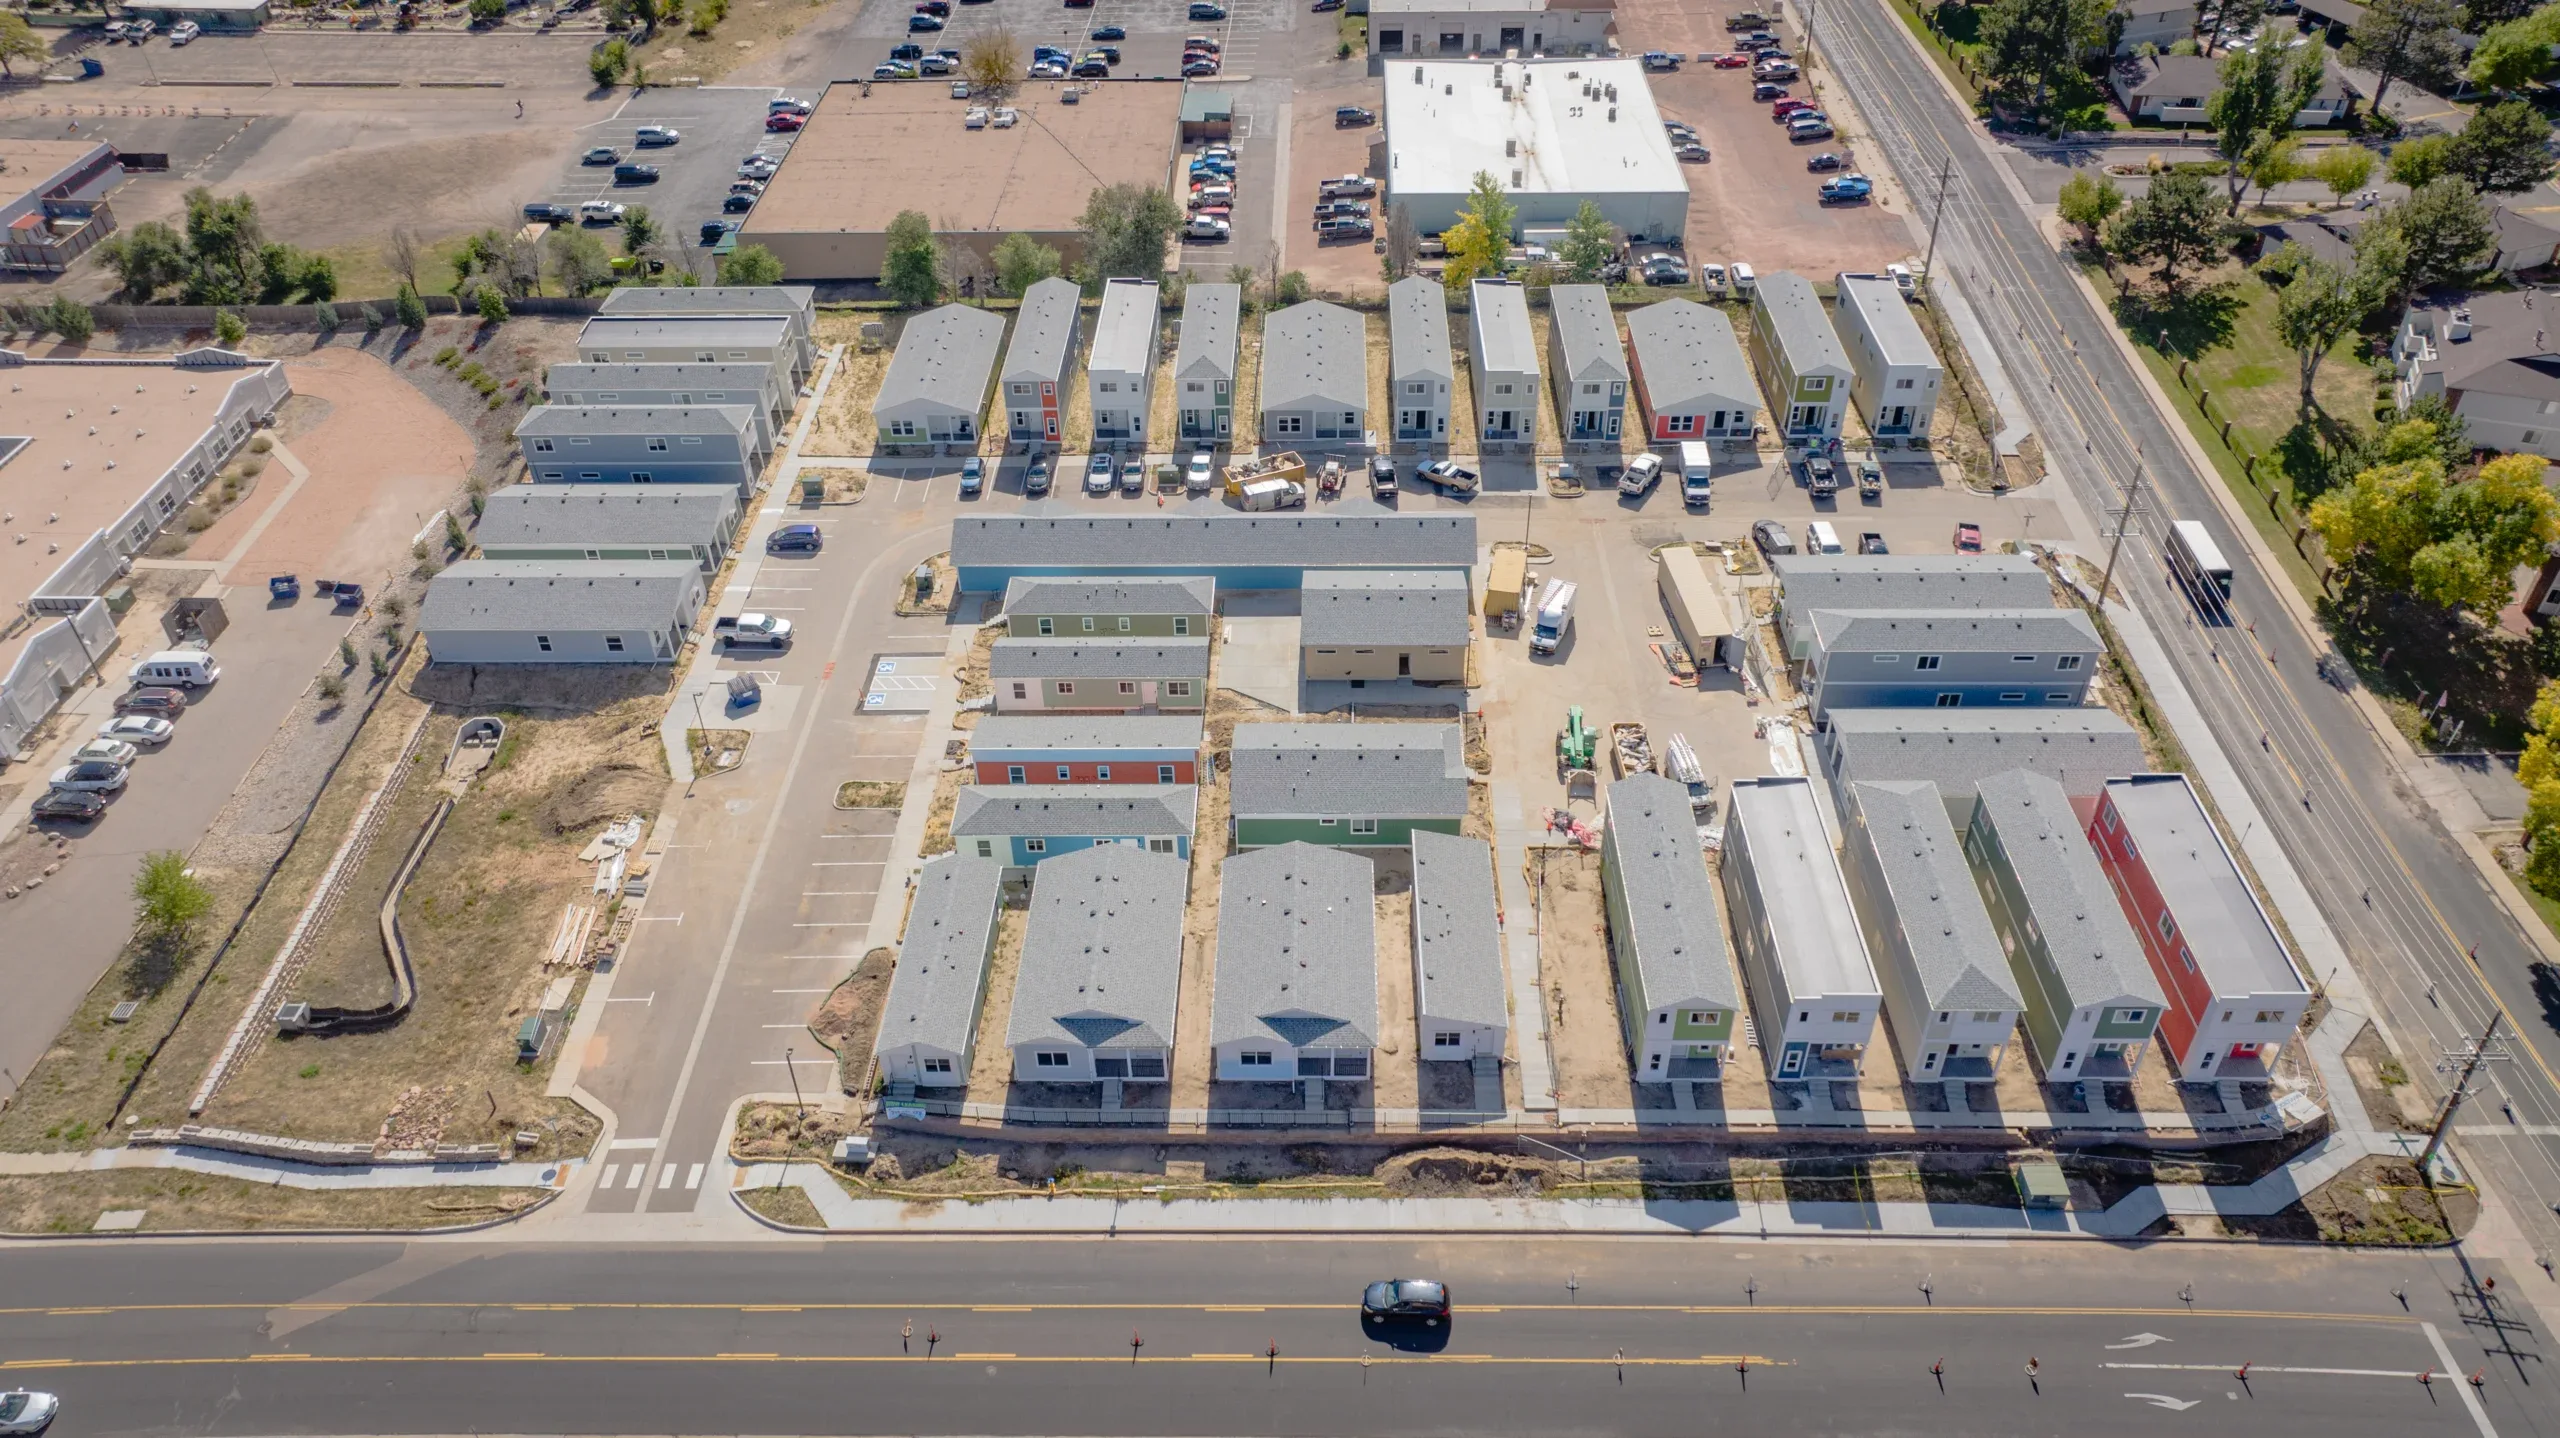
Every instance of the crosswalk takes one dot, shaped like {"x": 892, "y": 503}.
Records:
{"x": 636, "y": 1175}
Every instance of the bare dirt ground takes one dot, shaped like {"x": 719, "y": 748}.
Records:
{"x": 752, "y": 41}
{"x": 990, "y": 1062}
{"x": 1209, "y": 847}
{"x": 177, "y": 1200}
{"x": 844, "y": 425}
{"x": 1248, "y": 412}
{"x": 848, "y": 1018}
{"x": 1397, "y": 1066}
{"x": 1575, "y": 980}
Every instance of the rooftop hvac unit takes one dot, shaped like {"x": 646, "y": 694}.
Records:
{"x": 1417, "y": 74}
{"x": 1613, "y": 94}
{"x": 1613, "y": 114}
{"x": 1511, "y": 149}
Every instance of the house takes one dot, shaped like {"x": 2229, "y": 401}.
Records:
{"x": 1204, "y": 364}
{"x": 1948, "y": 658}
{"x": 1349, "y": 785}
{"x": 1896, "y": 373}
{"x": 1315, "y": 375}
{"x": 1385, "y": 624}
{"x": 2091, "y": 1000}
{"x": 1296, "y": 993}
{"x": 1100, "y": 977}
{"x": 53, "y": 202}
{"x": 1024, "y": 824}
{"x": 1956, "y": 749}
{"x": 2176, "y": 89}
{"x": 1801, "y": 362}
{"x": 1941, "y": 969}
{"x": 796, "y": 305}
{"x": 646, "y": 386}
{"x": 1085, "y": 749}
{"x": 1795, "y": 935}
{"x": 777, "y": 341}
{"x": 2233, "y": 993}
{"x": 675, "y": 444}
{"x": 1690, "y": 374}
{"x": 2156, "y": 23}
{"x": 1099, "y": 674}
{"x": 2330, "y": 236}
{"x": 1454, "y": 28}
{"x": 1237, "y": 551}
{"x": 929, "y": 1022}
{"x": 1147, "y": 606}
{"x": 1676, "y": 994}
{"x": 1590, "y": 365}
{"x": 1502, "y": 355}
{"x": 2525, "y": 242}
{"x": 1419, "y": 369}
{"x": 1808, "y": 583}
{"x": 1034, "y": 378}
{"x": 566, "y": 611}
{"x": 1460, "y": 1009}
{"x": 2492, "y": 358}
{"x": 1121, "y": 365}
{"x": 936, "y": 388}
{"x": 610, "y": 521}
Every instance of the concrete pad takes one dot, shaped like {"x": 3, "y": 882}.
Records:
{"x": 772, "y": 715}
{"x": 118, "y": 1220}
{"x": 1259, "y": 653}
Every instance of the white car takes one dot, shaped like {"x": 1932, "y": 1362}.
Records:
{"x": 1744, "y": 281}
{"x": 1196, "y": 477}
{"x": 22, "y": 1411}
{"x": 1711, "y": 277}
{"x": 183, "y": 31}
{"x": 959, "y": 89}
{"x": 1098, "y": 475}
{"x": 976, "y": 119}
{"x": 95, "y": 775}
{"x": 112, "y": 751}
{"x": 1006, "y": 117}
{"x": 137, "y": 729}
{"x": 600, "y": 212}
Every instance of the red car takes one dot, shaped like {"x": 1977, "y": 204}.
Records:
{"x": 1731, "y": 62}
{"x": 1783, "y": 108}
{"x": 784, "y": 121}
{"x": 1968, "y": 539}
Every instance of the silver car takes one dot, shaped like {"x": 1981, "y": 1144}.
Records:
{"x": 111, "y": 751}
{"x": 22, "y": 1411}
{"x": 95, "y": 775}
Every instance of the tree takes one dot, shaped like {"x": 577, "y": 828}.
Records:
{"x": 750, "y": 265}
{"x": 1022, "y": 262}
{"x": 493, "y": 306}
{"x": 19, "y": 41}
{"x": 319, "y": 278}
{"x": 991, "y": 61}
{"x": 2089, "y": 201}
{"x": 70, "y": 319}
{"x": 487, "y": 12}
{"x": 2403, "y": 40}
{"x": 229, "y": 329}
{"x": 147, "y": 259}
{"x": 2516, "y": 53}
{"x": 2448, "y": 233}
{"x": 2505, "y": 150}
{"x": 2174, "y": 226}
{"x": 1479, "y": 244}
{"x": 1126, "y": 228}
{"x": 2414, "y": 162}
{"x": 2317, "y": 308}
{"x": 1291, "y": 289}
{"x": 2345, "y": 169}
{"x": 607, "y": 62}
{"x": 1588, "y": 243}
{"x": 640, "y": 232}
{"x": 2457, "y": 546}
{"x": 1404, "y": 245}
{"x": 2261, "y": 90}
{"x": 2032, "y": 41}
{"x": 579, "y": 262}
{"x": 400, "y": 251}
{"x": 224, "y": 241}
{"x": 412, "y": 311}
{"x": 912, "y": 270}
{"x": 324, "y": 315}
{"x": 2275, "y": 161}
{"x": 168, "y": 900}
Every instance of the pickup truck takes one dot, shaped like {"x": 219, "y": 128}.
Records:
{"x": 752, "y": 631}
{"x": 1641, "y": 474}
{"x": 1382, "y": 477}
{"x": 1446, "y": 476}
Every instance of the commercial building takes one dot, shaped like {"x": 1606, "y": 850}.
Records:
{"x": 214, "y": 16}
{"x": 796, "y": 305}
{"x": 687, "y": 444}
{"x": 1204, "y": 364}
{"x": 1690, "y": 374}
{"x": 1946, "y": 659}
{"x": 2233, "y": 993}
{"x": 1315, "y": 381}
{"x": 2091, "y": 1000}
{"x": 1347, "y": 785}
{"x": 1419, "y": 369}
{"x": 53, "y": 202}
{"x": 1811, "y": 582}
{"x": 1099, "y": 674}
{"x": 1296, "y": 993}
{"x": 1023, "y": 825}
{"x": 1238, "y": 551}
{"x": 659, "y": 386}
{"x": 1100, "y": 978}
{"x": 1502, "y": 356}
{"x": 1897, "y": 373}
{"x": 1957, "y": 749}
{"x": 1385, "y": 624}
{"x": 929, "y": 1022}
{"x": 1555, "y": 132}
{"x": 574, "y": 611}
{"x": 826, "y": 213}
{"x": 1460, "y": 1010}
{"x": 1085, "y": 749}
{"x": 1036, "y": 363}
{"x": 1945, "y": 981}
{"x": 1142, "y": 606}
{"x": 1589, "y": 365}
{"x": 2494, "y": 360}
{"x": 1120, "y": 368}
{"x": 610, "y": 521}
{"x": 1454, "y": 28}
{"x": 1676, "y": 994}
{"x": 936, "y": 387}
{"x": 1801, "y": 362}
{"x": 1796, "y": 936}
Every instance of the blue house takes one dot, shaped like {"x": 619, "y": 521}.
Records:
{"x": 1022, "y": 824}
{"x": 1239, "y": 551}
{"x": 1949, "y": 659}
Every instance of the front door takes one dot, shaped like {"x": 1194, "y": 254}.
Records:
{"x": 1404, "y": 666}
{"x": 1793, "y": 1063}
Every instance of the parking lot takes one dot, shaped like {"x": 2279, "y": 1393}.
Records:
{"x": 719, "y": 129}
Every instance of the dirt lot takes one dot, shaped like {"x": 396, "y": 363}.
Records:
{"x": 1318, "y": 149}
{"x": 1587, "y": 1036}
{"x": 174, "y": 1200}
{"x": 1397, "y": 1065}
{"x": 753, "y": 38}
{"x": 848, "y": 1019}
{"x": 843, "y": 426}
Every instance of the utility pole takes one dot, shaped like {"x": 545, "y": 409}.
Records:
{"x": 2124, "y": 521}
{"x": 1946, "y": 177}
{"x": 2472, "y": 1057}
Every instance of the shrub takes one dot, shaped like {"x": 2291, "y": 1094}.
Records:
{"x": 347, "y": 653}
{"x": 372, "y": 320}
{"x": 381, "y": 665}
{"x": 412, "y": 310}
{"x": 70, "y": 319}
{"x": 325, "y": 315}
{"x": 333, "y": 687}
{"x": 448, "y": 355}
{"x": 229, "y": 328}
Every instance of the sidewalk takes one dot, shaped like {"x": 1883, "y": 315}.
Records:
{"x": 285, "y": 1174}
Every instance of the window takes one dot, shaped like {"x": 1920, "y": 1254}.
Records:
{"x": 1013, "y": 774}
{"x": 2132, "y": 1016}
{"x": 1444, "y": 1040}
{"x": 1254, "y": 1059}
{"x": 2271, "y": 1016}
{"x": 902, "y": 429}
{"x": 1164, "y": 773}
{"x": 1065, "y": 774}
{"x": 2068, "y": 662}
{"x": 1902, "y": 384}
{"x": 542, "y": 446}
{"x": 657, "y": 444}
{"x": 1697, "y": 1016}
{"x": 1128, "y": 686}
{"x": 1928, "y": 661}
{"x": 1845, "y": 1016}
{"x": 1502, "y": 389}
{"x": 1110, "y": 387}
{"x": 542, "y": 642}
{"x": 2107, "y": 820}
{"x": 1817, "y": 384}
{"x": 1102, "y": 773}
{"x": 2057, "y": 696}
{"x": 2168, "y": 926}
{"x": 986, "y": 848}
{"x": 579, "y": 439}
{"x": 1290, "y": 424}
{"x": 1680, "y": 424}
{"x": 1351, "y": 1066}
{"x": 1364, "y": 826}
{"x": 937, "y": 1066}
{"x": 1159, "y": 846}
{"x": 642, "y": 476}
{"x": 2022, "y": 659}
{"x": 1088, "y": 624}
{"x": 1888, "y": 658}
{"x": 1124, "y": 624}
{"x": 1020, "y": 390}
{"x": 1021, "y": 690}
{"x": 1066, "y": 686}
{"x": 1182, "y": 624}
{"x": 1943, "y": 1018}
{"x": 699, "y": 356}
{"x": 595, "y": 554}
{"x": 1950, "y": 701}
{"x": 1327, "y": 823}
{"x": 1177, "y": 689}
{"x": 1986, "y": 1016}
{"x": 1035, "y": 846}
{"x": 613, "y": 643}
{"x": 1591, "y": 389}
{"x": 1048, "y": 626}
{"x": 1049, "y": 1058}
{"x": 2013, "y": 696}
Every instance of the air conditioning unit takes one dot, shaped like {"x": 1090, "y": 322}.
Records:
{"x": 293, "y": 1017}
{"x": 2458, "y": 327}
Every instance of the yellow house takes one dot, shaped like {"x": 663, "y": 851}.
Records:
{"x": 1385, "y": 624}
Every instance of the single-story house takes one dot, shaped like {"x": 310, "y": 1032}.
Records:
{"x": 1348, "y": 785}
{"x": 564, "y": 611}
{"x": 1238, "y": 551}
{"x": 1022, "y": 824}
{"x": 1460, "y": 1009}
{"x": 929, "y": 1022}
{"x": 2494, "y": 359}
{"x": 610, "y": 521}
{"x": 936, "y": 388}
{"x": 1142, "y": 605}
{"x": 1085, "y": 749}
{"x": 1315, "y": 383}
{"x": 1690, "y": 374}
{"x": 1296, "y": 992}
{"x": 1385, "y": 624}
{"x": 2177, "y": 88}
{"x": 1100, "y": 977}
{"x": 1676, "y": 994}
{"x": 1098, "y": 674}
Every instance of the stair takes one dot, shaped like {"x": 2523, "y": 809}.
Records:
{"x": 1488, "y": 1077}
{"x": 1111, "y": 1095}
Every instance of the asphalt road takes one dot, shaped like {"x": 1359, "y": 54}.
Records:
{"x": 1036, "y": 1337}
{"x": 2403, "y": 898}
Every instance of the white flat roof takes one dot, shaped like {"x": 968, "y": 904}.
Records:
{"x": 1456, "y": 121}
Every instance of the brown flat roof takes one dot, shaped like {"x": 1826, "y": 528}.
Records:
{"x": 29, "y": 163}
{"x": 862, "y": 160}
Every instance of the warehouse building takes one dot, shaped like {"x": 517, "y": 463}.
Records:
{"x": 1556, "y": 132}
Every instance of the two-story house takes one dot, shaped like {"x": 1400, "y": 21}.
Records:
{"x": 1315, "y": 382}
{"x": 929, "y": 1023}
{"x": 1121, "y": 365}
{"x": 1085, "y": 749}
{"x": 1099, "y": 981}
{"x": 1137, "y": 605}
{"x": 1947, "y": 994}
{"x": 1589, "y": 364}
{"x": 1922, "y": 658}
{"x": 610, "y": 521}
{"x": 1204, "y": 364}
{"x": 688, "y": 444}
{"x": 1034, "y": 377}
{"x": 1420, "y": 370}
{"x": 1676, "y": 994}
{"x": 651, "y": 386}
{"x": 2495, "y": 360}
{"x": 1801, "y": 361}
{"x": 1690, "y": 374}
{"x": 1502, "y": 353}
{"x": 1024, "y": 825}
{"x": 1795, "y": 933}
{"x": 936, "y": 387}
{"x": 1896, "y": 372}
{"x": 776, "y": 341}
{"x": 1811, "y": 583}
{"x": 1296, "y": 988}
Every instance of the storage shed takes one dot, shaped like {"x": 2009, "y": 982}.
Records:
{"x": 1701, "y": 613}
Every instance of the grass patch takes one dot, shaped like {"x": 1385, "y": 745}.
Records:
{"x": 871, "y": 794}
{"x": 786, "y": 1205}
{"x": 836, "y": 486}
{"x": 707, "y": 745}
{"x": 174, "y": 1200}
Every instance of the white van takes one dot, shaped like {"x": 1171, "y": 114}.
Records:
{"x": 185, "y": 668}
{"x": 1821, "y": 538}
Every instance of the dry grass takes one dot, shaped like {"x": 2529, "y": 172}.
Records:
{"x": 1542, "y": 328}
{"x": 871, "y": 794}
{"x": 175, "y": 1200}
{"x": 1076, "y": 435}
{"x": 708, "y": 744}
{"x": 937, "y": 819}
{"x": 990, "y": 1062}
{"x": 1465, "y": 423}
{"x": 1160, "y": 403}
{"x": 753, "y": 30}
{"x": 946, "y": 589}
{"x": 974, "y": 683}
{"x": 1381, "y": 362}
{"x": 844, "y": 426}
{"x": 839, "y": 486}
{"x": 1396, "y": 1064}
{"x": 787, "y": 1205}
{"x": 1576, "y": 981}
{"x": 1248, "y": 393}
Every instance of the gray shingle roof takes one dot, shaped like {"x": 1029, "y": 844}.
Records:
{"x": 600, "y": 514}
{"x": 942, "y": 960}
{"x": 1190, "y": 595}
{"x": 1124, "y": 331}
{"x": 1678, "y": 935}
{"x": 1689, "y": 356}
{"x": 1457, "y": 943}
{"x": 1297, "y": 949}
{"x": 2512, "y": 349}
{"x": 1418, "y": 329}
{"x": 1207, "y": 349}
{"x": 1958, "y": 958}
{"x": 1880, "y": 306}
{"x": 1588, "y": 331}
{"x": 1957, "y": 749}
{"x": 1500, "y": 313}
{"x": 737, "y": 381}
{"x": 1953, "y": 631}
{"x": 558, "y": 421}
{"x": 944, "y": 359}
{"x": 1044, "y": 332}
{"x": 716, "y": 332}
{"x": 1796, "y": 318}
{"x": 1818, "y": 949}
{"x": 2093, "y": 948}
{"x": 629, "y": 300}
{"x": 569, "y": 595}
{"x": 1384, "y": 606}
{"x": 1099, "y": 659}
{"x": 1315, "y": 354}
{"x": 1810, "y": 582}
{"x": 2218, "y": 915}
{"x": 1073, "y": 810}
{"x": 1338, "y": 538}
{"x": 1102, "y": 953}
{"x": 1017, "y": 733}
{"x": 1388, "y": 771}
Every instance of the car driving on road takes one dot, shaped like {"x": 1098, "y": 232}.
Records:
{"x": 1406, "y": 1299}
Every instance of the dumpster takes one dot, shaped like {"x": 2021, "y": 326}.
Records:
{"x": 284, "y": 586}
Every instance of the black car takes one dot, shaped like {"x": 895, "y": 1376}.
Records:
{"x": 74, "y": 804}
{"x": 1109, "y": 53}
{"x": 737, "y": 204}
{"x": 1825, "y": 161}
{"x": 635, "y": 174}
{"x": 795, "y": 539}
{"x": 1092, "y": 69}
{"x": 1204, "y": 10}
{"x": 714, "y": 231}
{"x": 1352, "y": 117}
{"x": 1393, "y": 1299}
{"x": 1108, "y": 32}
{"x": 908, "y": 51}
{"x": 542, "y": 213}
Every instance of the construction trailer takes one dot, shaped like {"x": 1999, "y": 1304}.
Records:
{"x": 1701, "y": 614}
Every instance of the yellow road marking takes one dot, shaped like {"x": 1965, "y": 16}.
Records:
{"x": 770, "y": 1308}
{"x": 513, "y": 1355}
{"x": 716, "y": 1355}
{"x": 65, "y": 1312}
{"x": 1756, "y": 1360}
{"x": 1800, "y": 1310}
{"x": 1000, "y": 1308}
{"x": 982, "y": 1355}
{"x": 1232, "y": 1308}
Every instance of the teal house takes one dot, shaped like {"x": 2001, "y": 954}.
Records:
{"x": 1676, "y": 990}
{"x": 1345, "y": 785}
{"x": 1022, "y": 824}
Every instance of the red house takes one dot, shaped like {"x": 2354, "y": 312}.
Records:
{"x": 2234, "y": 994}
{"x": 1086, "y": 749}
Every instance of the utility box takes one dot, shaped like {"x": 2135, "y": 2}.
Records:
{"x": 2041, "y": 1185}
{"x": 924, "y": 582}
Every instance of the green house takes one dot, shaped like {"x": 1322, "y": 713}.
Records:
{"x": 1346, "y": 785}
{"x": 1676, "y": 990}
{"x": 1136, "y": 606}
{"x": 1800, "y": 357}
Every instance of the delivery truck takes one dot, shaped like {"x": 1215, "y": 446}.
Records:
{"x": 1697, "y": 473}
{"x": 1555, "y": 616}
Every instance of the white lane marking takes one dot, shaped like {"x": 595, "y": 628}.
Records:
{"x": 840, "y": 924}
{"x": 2470, "y": 1400}
{"x": 659, "y": 919}
{"x": 638, "y": 1172}
{"x": 630, "y": 1143}
{"x": 782, "y": 588}
{"x": 850, "y": 863}
{"x": 693, "y": 1177}
{"x": 2269, "y": 1368}
{"x": 2141, "y": 1340}
{"x": 837, "y": 893}
{"x": 2163, "y": 1400}
{"x": 667, "y": 1177}
{"x": 777, "y": 1063}
{"x": 610, "y": 1170}
{"x": 648, "y": 997}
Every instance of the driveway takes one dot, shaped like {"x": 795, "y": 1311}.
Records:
{"x": 1259, "y": 657}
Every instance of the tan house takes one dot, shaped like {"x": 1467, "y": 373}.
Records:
{"x": 1385, "y": 624}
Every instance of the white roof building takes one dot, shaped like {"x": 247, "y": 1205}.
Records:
{"x": 1555, "y": 132}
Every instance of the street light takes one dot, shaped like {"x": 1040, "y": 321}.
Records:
{"x": 793, "y": 1070}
